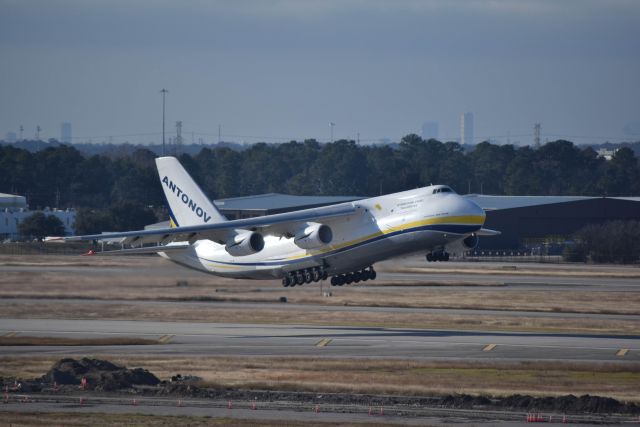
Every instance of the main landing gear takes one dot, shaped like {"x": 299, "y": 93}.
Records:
{"x": 355, "y": 277}
{"x": 438, "y": 256}
{"x": 302, "y": 277}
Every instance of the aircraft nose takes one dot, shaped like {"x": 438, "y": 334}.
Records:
{"x": 465, "y": 207}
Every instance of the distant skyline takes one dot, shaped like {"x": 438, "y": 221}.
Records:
{"x": 285, "y": 69}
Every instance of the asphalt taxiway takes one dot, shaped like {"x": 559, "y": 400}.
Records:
{"x": 219, "y": 339}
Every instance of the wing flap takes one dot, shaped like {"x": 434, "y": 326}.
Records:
{"x": 488, "y": 232}
{"x": 143, "y": 250}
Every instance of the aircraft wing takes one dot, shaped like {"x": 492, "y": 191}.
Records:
{"x": 284, "y": 224}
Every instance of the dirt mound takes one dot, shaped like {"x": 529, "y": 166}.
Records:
{"x": 570, "y": 404}
{"x": 100, "y": 374}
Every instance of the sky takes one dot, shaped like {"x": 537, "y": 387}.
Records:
{"x": 276, "y": 70}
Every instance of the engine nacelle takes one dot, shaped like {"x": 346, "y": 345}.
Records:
{"x": 313, "y": 235}
{"x": 464, "y": 245}
{"x": 244, "y": 243}
{"x": 471, "y": 242}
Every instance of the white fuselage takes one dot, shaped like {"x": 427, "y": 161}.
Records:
{"x": 381, "y": 228}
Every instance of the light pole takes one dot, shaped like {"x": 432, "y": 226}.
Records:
{"x": 331, "y": 125}
{"x": 163, "y": 92}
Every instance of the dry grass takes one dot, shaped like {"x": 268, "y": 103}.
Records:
{"x": 274, "y": 314}
{"x": 144, "y": 278}
{"x": 404, "y": 377}
{"x": 28, "y": 341}
{"x": 97, "y": 419}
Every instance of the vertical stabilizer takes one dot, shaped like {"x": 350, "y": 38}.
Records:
{"x": 188, "y": 205}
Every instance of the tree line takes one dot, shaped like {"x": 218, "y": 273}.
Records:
{"x": 62, "y": 176}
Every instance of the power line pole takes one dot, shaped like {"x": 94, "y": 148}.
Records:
{"x": 178, "y": 137}
{"x": 536, "y": 134}
{"x": 331, "y": 125}
{"x": 163, "y": 92}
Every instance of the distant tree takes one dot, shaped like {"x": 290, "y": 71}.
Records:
{"x": 39, "y": 225}
{"x": 93, "y": 221}
{"x": 129, "y": 216}
{"x": 611, "y": 242}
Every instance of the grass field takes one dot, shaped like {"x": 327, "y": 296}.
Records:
{"x": 403, "y": 377}
{"x": 46, "y": 279}
{"x": 73, "y": 419}
{"x": 273, "y": 314}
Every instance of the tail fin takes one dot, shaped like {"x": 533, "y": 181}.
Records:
{"x": 188, "y": 205}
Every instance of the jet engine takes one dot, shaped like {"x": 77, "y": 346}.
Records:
{"x": 471, "y": 242}
{"x": 313, "y": 235}
{"x": 244, "y": 242}
{"x": 464, "y": 245}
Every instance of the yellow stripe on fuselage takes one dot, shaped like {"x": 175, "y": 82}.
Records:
{"x": 458, "y": 220}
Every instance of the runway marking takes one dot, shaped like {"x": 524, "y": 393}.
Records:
{"x": 10, "y": 334}
{"x": 323, "y": 342}
{"x": 165, "y": 339}
{"x": 622, "y": 352}
{"x": 489, "y": 347}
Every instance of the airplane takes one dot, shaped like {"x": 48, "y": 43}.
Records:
{"x": 343, "y": 241}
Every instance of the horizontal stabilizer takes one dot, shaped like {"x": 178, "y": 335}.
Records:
{"x": 144, "y": 250}
{"x": 488, "y": 232}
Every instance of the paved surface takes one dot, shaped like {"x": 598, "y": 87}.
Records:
{"x": 283, "y": 411}
{"x": 507, "y": 282}
{"x": 160, "y": 305}
{"x": 208, "y": 339}
{"x": 519, "y": 282}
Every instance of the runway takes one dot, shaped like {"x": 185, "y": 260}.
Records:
{"x": 213, "y": 305}
{"x": 429, "y": 278}
{"x": 216, "y": 339}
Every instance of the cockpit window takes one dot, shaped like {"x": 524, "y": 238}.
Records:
{"x": 442, "y": 190}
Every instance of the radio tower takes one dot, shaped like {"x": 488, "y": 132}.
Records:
{"x": 21, "y": 132}
{"x": 536, "y": 135}
{"x": 38, "y": 129}
{"x": 178, "y": 136}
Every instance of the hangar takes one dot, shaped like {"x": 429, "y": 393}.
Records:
{"x": 527, "y": 221}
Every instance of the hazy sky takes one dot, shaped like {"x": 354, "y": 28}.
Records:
{"x": 286, "y": 69}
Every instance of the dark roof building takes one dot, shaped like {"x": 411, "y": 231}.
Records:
{"x": 527, "y": 221}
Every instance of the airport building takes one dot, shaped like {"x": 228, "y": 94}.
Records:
{"x": 14, "y": 209}
{"x": 527, "y": 222}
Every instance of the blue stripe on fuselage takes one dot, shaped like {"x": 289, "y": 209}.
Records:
{"x": 449, "y": 228}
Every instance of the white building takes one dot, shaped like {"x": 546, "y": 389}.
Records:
{"x": 65, "y": 133}
{"x": 14, "y": 210}
{"x": 466, "y": 128}
{"x": 429, "y": 130}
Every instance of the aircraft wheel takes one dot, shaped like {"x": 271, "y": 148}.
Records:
{"x": 364, "y": 275}
{"x": 307, "y": 276}
{"x": 372, "y": 274}
{"x": 316, "y": 275}
{"x": 299, "y": 278}
{"x": 429, "y": 257}
{"x": 342, "y": 280}
{"x": 357, "y": 277}
{"x": 285, "y": 281}
{"x": 348, "y": 278}
{"x": 334, "y": 281}
{"x": 446, "y": 256}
